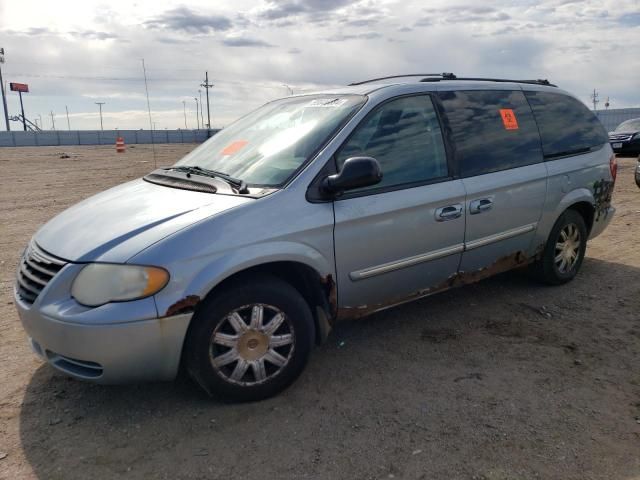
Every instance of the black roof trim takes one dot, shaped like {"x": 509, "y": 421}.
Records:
{"x": 438, "y": 77}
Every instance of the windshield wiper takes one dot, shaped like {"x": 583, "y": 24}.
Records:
{"x": 238, "y": 184}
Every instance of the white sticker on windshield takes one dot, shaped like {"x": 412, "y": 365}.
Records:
{"x": 327, "y": 102}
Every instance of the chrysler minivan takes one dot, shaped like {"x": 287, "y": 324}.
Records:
{"x": 314, "y": 208}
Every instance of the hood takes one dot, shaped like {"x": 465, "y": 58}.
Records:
{"x": 116, "y": 224}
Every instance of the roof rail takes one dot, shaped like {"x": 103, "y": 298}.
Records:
{"x": 439, "y": 75}
{"x": 483, "y": 79}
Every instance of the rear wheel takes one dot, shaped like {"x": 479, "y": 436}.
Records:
{"x": 564, "y": 251}
{"x": 250, "y": 341}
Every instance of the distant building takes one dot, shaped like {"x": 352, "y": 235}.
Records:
{"x": 613, "y": 117}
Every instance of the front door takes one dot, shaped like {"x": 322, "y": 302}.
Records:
{"x": 396, "y": 240}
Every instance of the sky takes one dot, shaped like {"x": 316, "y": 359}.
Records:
{"x": 75, "y": 53}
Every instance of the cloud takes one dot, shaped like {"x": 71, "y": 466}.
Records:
{"x": 183, "y": 19}
{"x": 339, "y": 37}
{"x": 91, "y": 35}
{"x": 362, "y": 22}
{"x": 47, "y": 32}
{"x": 284, "y": 9}
{"x": 245, "y": 42}
{"x": 462, "y": 14}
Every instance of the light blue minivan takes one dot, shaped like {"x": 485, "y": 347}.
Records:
{"x": 237, "y": 259}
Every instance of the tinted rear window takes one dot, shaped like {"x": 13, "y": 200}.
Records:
{"x": 566, "y": 125}
{"x": 491, "y": 130}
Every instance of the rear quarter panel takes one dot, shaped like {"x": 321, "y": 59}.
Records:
{"x": 578, "y": 178}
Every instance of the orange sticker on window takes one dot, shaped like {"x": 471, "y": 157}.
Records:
{"x": 509, "y": 119}
{"x": 234, "y": 147}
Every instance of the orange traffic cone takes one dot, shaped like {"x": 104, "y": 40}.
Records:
{"x": 120, "y": 147}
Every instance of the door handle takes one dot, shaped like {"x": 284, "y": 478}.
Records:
{"x": 449, "y": 212}
{"x": 479, "y": 206}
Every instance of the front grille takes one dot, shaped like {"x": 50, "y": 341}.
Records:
{"x": 620, "y": 137}
{"x": 37, "y": 268}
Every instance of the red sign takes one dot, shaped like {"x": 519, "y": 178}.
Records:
{"x": 509, "y": 119}
{"x": 19, "y": 87}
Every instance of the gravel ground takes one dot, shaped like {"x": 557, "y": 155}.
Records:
{"x": 505, "y": 379}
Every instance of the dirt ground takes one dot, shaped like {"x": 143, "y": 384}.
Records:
{"x": 505, "y": 379}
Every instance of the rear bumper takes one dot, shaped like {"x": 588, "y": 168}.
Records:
{"x": 144, "y": 350}
{"x": 601, "y": 221}
{"x": 630, "y": 148}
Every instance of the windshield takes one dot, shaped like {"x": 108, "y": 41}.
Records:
{"x": 268, "y": 145}
{"x": 629, "y": 126}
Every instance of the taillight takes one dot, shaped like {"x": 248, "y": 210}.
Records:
{"x": 613, "y": 166}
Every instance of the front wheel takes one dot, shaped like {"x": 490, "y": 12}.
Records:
{"x": 564, "y": 250}
{"x": 251, "y": 340}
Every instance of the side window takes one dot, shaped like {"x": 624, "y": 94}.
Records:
{"x": 404, "y": 136}
{"x": 491, "y": 130}
{"x": 566, "y": 125}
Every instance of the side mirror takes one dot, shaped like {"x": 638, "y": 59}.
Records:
{"x": 357, "y": 172}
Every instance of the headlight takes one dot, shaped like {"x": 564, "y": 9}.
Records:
{"x": 100, "y": 283}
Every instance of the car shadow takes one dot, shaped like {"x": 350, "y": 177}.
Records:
{"x": 505, "y": 378}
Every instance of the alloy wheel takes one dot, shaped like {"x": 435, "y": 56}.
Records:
{"x": 252, "y": 344}
{"x": 567, "y": 248}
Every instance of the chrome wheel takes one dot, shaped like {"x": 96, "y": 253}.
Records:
{"x": 567, "y": 248}
{"x": 252, "y": 344}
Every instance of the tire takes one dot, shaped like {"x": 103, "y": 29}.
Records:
{"x": 250, "y": 340}
{"x": 568, "y": 230}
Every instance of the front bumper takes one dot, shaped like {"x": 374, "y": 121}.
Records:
{"x": 111, "y": 352}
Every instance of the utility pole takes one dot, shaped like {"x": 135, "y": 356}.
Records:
{"x": 201, "y": 109}
{"x": 594, "y": 99}
{"x": 184, "y": 110}
{"x": 41, "y": 124}
{"x": 68, "y": 122}
{"x": 100, "y": 106}
{"x": 197, "y": 113}
{"x": 207, "y": 86}
{"x": 53, "y": 120}
{"x": 4, "y": 98}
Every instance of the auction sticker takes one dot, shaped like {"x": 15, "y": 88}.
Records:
{"x": 327, "y": 102}
{"x": 234, "y": 147}
{"x": 509, "y": 119}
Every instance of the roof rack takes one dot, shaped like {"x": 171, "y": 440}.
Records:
{"x": 451, "y": 76}
{"x": 438, "y": 77}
